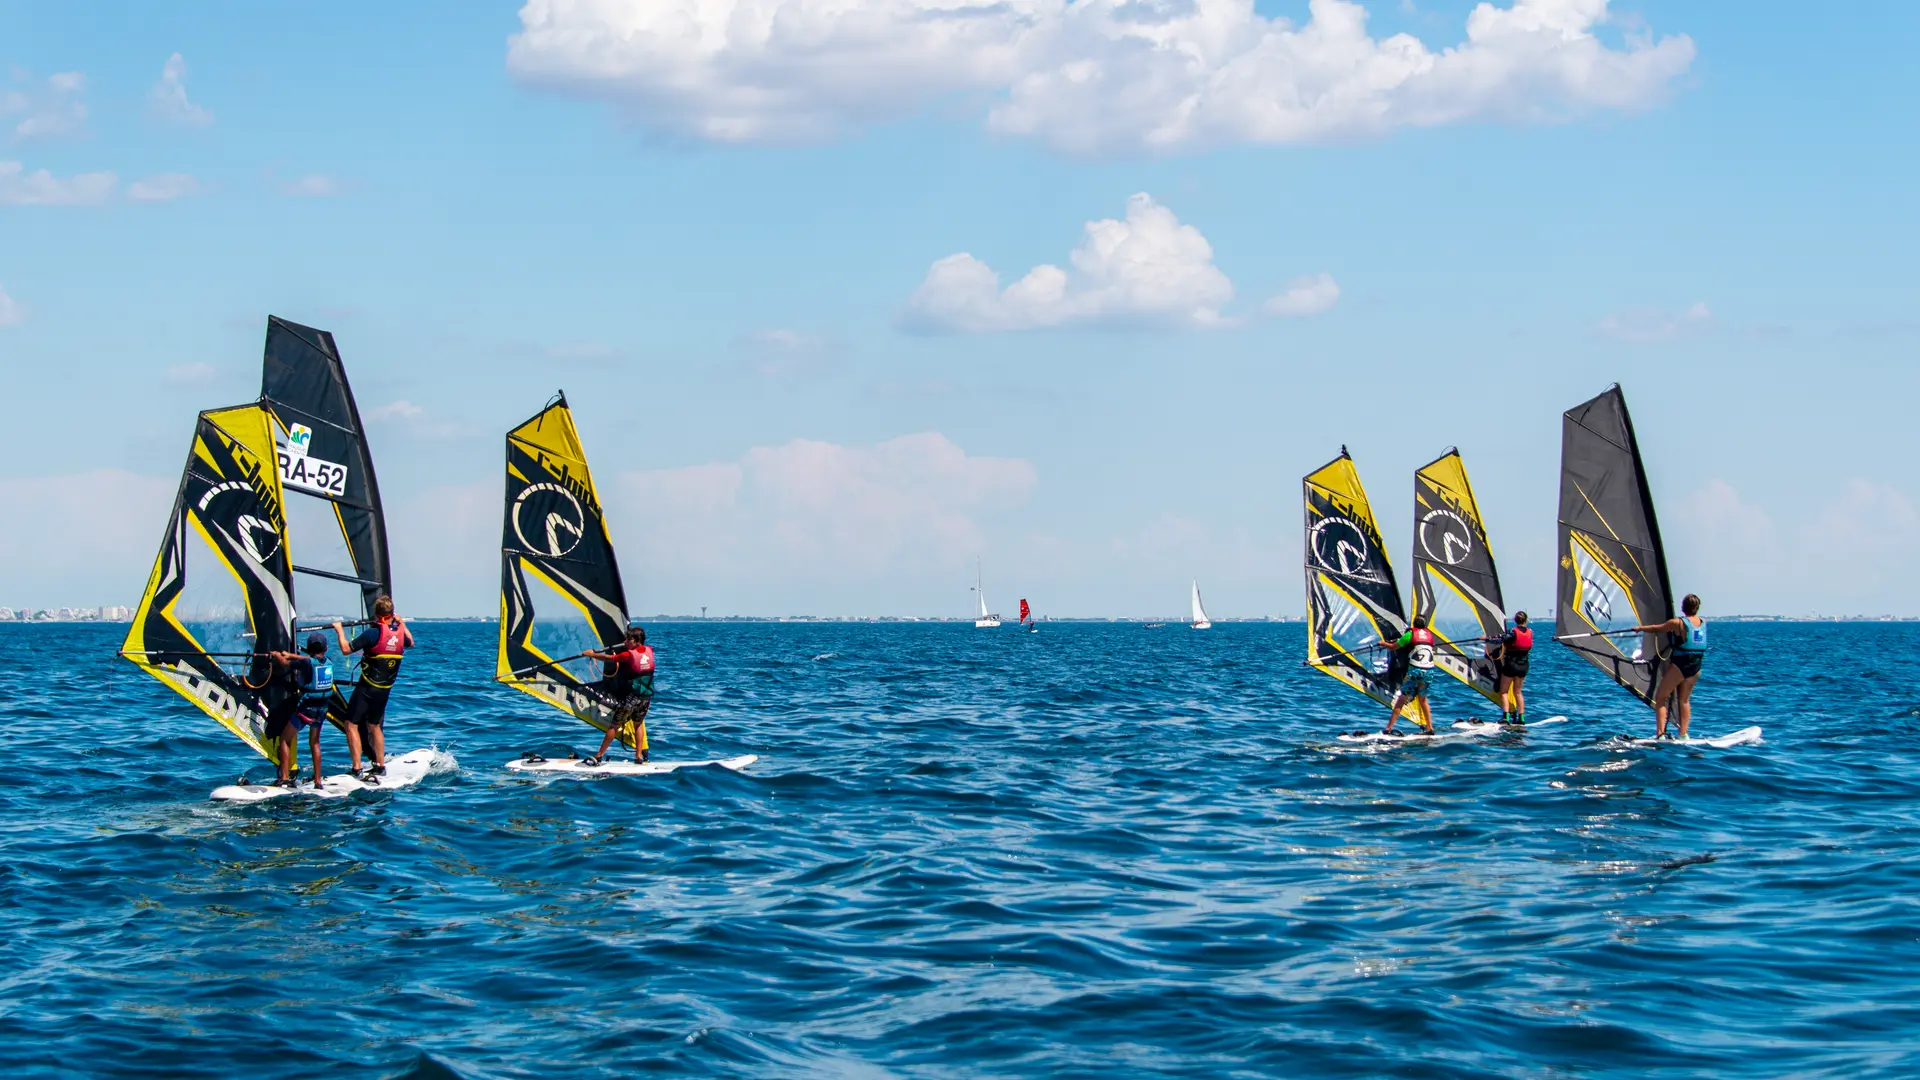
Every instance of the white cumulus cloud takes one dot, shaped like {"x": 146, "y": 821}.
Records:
{"x": 50, "y": 111}
{"x": 312, "y": 186}
{"x": 164, "y": 187}
{"x": 1651, "y": 326}
{"x": 395, "y": 410}
{"x": 1304, "y": 296}
{"x": 1148, "y": 269}
{"x": 1085, "y": 76}
{"x": 167, "y": 102}
{"x": 12, "y": 312}
{"x": 18, "y": 187}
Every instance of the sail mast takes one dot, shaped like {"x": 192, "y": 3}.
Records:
{"x": 1612, "y": 564}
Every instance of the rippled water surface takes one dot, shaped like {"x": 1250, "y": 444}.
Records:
{"x": 1096, "y": 850}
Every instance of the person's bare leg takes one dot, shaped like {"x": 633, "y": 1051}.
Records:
{"x": 289, "y": 759}
{"x": 1520, "y": 699}
{"x": 1393, "y": 712}
{"x": 1662, "y": 694}
{"x": 1506, "y": 697}
{"x": 314, "y": 743}
{"x": 1426, "y": 713}
{"x": 1686, "y": 704}
{"x": 640, "y": 732}
{"x": 353, "y": 746}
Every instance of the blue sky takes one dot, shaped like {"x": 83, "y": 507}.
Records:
{"x": 732, "y": 261}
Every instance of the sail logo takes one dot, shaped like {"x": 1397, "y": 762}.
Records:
{"x": 555, "y": 517}
{"x": 299, "y": 440}
{"x": 1341, "y": 547}
{"x": 1446, "y": 537}
{"x": 257, "y": 537}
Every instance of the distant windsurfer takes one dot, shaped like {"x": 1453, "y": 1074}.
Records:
{"x": 381, "y": 646}
{"x": 1510, "y": 653}
{"x": 311, "y": 676}
{"x": 629, "y": 688}
{"x": 1416, "y": 650}
{"x": 1689, "y": 651}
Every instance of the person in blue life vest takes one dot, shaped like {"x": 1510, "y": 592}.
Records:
{"x": 311, "y": 676}
{"x": 1674, "y": 695}
{"x": 381, "y": 646}
{"x": 1510, "y": 652}
{"x": 1416, "y": 648}
{"x": 628, "y": 688}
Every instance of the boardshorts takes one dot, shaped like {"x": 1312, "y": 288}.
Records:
{"x": 369, "y": 705}
{"x": 1415, "y": 684}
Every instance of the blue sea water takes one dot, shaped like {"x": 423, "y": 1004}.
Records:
{"x": 1099, "y": 850}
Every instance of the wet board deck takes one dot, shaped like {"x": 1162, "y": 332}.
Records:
{"x": 575, "y": 766}
{"x": 1460, "y": 729}
{"x": 1746, "y": 736}
{"x": 405, "y": 770}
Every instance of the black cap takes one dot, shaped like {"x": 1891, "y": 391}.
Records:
{"x": 316, "y": 643}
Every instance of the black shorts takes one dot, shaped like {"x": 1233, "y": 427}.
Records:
{"x": 369, "y": 705}
{"x": 279, "y": 716}
{"x": 1687, "y": 662}
{"x": 1514, "y": 665}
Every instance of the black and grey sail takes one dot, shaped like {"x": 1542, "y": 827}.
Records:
{"x": 334, "y": 514}
{"x": 1353, "y": 602}
{"x": 1613, "y": 569}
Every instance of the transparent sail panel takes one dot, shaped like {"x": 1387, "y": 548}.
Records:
{"x": 561, "y": 628}
{"x": 1454, "y": 618}
{"x": 1350, "y": 630}
{"x": 212, "y": 605}
{"x": 317, "y": 541}
{"x": 1603, "y": 602}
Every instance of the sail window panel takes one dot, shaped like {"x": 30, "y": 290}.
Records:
{"x": 317, "y": 540}
{"x": 1454, "y": 619}
{"x": 1350, "y": 629}
{"x": 212, "y": 602}
{"x": 560, "y": 626}
{"x": 1604, "y": 602}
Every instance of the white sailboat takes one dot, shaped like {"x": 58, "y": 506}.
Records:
{"x": 1200, "y": 620}
{"x": 981, "y": 618}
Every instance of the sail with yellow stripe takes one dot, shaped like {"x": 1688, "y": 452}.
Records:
{"x": 1353, "y": 603}
{"x": 560, "y": 591}
{"x": 220, "y": 597}
{"x": 1613, "y": 568}
{"x": 1455, "y": 583}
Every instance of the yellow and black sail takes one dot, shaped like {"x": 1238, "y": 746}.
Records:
{"x": 1613, "y": 568}
{"x": 1353, "y": 603}
{"x": 1455, "y": 584}
{"x": 560, "y": 591}
{"x": 220, "y": 596}
{"x": 334, "y": 513}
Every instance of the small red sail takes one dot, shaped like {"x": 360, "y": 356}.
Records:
{"x": 1025, "y": 611}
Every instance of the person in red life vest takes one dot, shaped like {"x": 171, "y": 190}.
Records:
{"x": 1417, "y": 646}
{"x": 628, "y": 687}
{"x": 1510, "y": 652}
{"x": 381, "y": 646}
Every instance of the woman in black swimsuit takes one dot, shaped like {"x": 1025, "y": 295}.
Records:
{"x": 1511, "y": 651}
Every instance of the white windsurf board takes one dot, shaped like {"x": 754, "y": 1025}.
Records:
{"x": 1459, "y": 729}
{"x": 577, "y": 767}
{"x": 404, "y": 770}
{"x": 1746, "y": 736}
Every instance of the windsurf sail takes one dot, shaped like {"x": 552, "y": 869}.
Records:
{"x": 1026, "y": 613}
{"x": 560, "y": 591}
{"x": 1455, "y": 584}
{"x": 326, "y": 472}
{"x": 1353, "y": 603}
{"x": 1613, "y": 569}
{"x": 221, "y": 593}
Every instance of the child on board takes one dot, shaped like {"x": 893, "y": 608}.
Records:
{"x": 629, "y": 687}
{"x": 1688, "y": 637}
{"x": 1416, "y": 647}
{"x": 1510, "y": 652}
{"x": 381, "y": 646}
{"x": 312, "y": 676}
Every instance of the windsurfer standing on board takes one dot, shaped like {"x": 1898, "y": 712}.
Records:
{"x": 1511, "y": 652}
{"x": 312, "y": 676}
{"x": 1689, "y": 632}
{"x": 381, "y": 646}
{"x": 629, "y": 686}
{"x": 1416, "y": 646}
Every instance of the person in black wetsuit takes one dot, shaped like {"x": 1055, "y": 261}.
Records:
{"x": 1510, "y": 652}
{"x": 381, "y": 647}
{"x": 629, "y": 687}
{"x": 1688, "y": 635}
{"x": 312, "y": 676}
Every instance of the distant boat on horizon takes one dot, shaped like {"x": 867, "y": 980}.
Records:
{"x": 1200, "y": 620}
{"x": 981, "y": 619}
